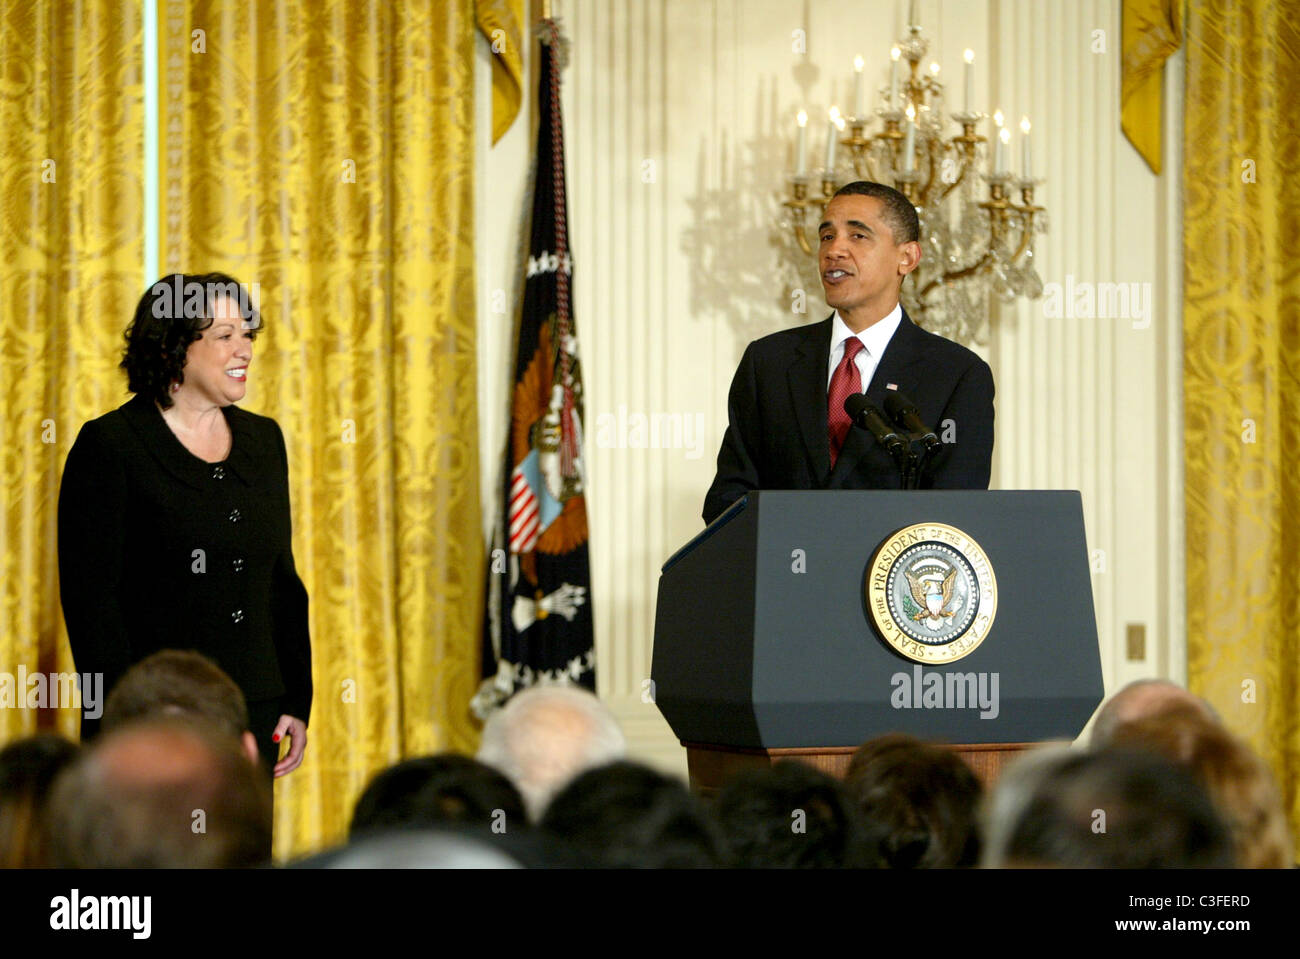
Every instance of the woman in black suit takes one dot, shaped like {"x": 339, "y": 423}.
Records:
{"x": 174, "y": 529}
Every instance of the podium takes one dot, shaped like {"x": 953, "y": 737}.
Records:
{"x": 766, "y": 645}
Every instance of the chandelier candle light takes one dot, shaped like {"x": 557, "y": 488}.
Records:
{"x": 973, "y": 245}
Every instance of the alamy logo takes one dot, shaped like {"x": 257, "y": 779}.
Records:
{"x": 948, "y": 690}
{"x": 653, "y": 431}
{"x": 1085, "y": 300}
{"x": 75, "y": 911}
{"x": 192, "y": 299}
{"x": 52, "y": 691}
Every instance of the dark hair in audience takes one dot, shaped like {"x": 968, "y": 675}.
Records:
{"x": 1238, "y": 782}
{"x": 628, "y": 815}
{"x": 28, "y": 767}
{"x": 174, "y": 681}
{"x": 791, "y": 815}
{"x": 171, "y": 315}
{"x": 1119, "y": 809}
{"x": 438, "y": 790}
{"x": 922, "y": 801}
{"x": 160, "y": 793}
{"x": 896, "y": 209}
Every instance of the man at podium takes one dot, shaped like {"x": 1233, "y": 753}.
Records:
{"x": 787, "y": 425}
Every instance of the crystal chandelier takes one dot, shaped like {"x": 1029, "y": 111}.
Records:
{"x": 972, "y": 248}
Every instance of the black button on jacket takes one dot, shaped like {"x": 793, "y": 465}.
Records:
{"x": 160, "y": 550}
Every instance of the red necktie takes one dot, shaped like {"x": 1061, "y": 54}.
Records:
{"x": 844, "y": 384}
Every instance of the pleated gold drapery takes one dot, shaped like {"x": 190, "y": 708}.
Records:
{"x": 1241, "y": 374}
{"x": 324, "y": 150}
{"x": 71, "y": 245}
{"x": 1152, "y": 31}
{"x": 502, "y": 23}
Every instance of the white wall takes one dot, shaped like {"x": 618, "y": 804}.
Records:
{"x": 679, "y": 126}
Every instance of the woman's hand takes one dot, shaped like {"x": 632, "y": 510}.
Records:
{"x": 296, "y": 730}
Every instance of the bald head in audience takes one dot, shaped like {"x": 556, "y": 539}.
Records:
{"x": 161, "y": 793}
{"x": 545, "y": 736}
{"x": 1139, "y": 700}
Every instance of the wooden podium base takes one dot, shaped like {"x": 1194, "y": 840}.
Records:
{"x": 710, "y": 767}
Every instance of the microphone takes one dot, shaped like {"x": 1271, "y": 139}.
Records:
{"x": 863, "y": 414}
{"x": 904, "y": 412}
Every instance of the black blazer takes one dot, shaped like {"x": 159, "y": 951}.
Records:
{"x": 777, "y": 437}
{"x": 160, "y": 550}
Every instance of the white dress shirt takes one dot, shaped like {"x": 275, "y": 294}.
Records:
{"x": 874, "y": 340}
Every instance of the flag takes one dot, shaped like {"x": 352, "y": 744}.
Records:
{"x": 538, "y": 625}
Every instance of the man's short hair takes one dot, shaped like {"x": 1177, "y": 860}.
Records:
{"x": 181, "y": 682}
{"x": 432, "y": 791}
{"x": 626, "y": 815}
{"x": 896, "y": 209}
{"x": 758, "y": 811}
{"x": 1116, "y": 809}
{"x": 160, "y": 793}
{"x": 545, "y": 736}
{"x": 1139, "y": 699}
{"x": 921, "y": 800}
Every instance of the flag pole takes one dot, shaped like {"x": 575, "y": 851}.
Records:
{"x": 538, "y": 627}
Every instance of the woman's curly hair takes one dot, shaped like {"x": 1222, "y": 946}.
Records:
{"x": 171, "y": 315}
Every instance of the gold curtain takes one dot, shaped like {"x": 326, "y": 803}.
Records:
{"x": 1241, "y": 406}
{"x": 1152, "y": 31}
{"x": 71, "y": 248}
{"x": 502, "y": 24}
{"x": 324, "y": 150}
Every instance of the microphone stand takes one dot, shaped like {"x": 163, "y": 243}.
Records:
{"x": 903, "y": 412}
{"x": 905, "y": 461}
{"x": 909, "y": 465}
{"x": 920, "y": 463}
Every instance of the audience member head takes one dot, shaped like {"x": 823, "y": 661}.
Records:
{"x": 415, "y": 849}
{"x": 1141, "y": 698}
{"x": 437, "y": 790}
{"x": 627, "y": 815}
{"x": 1113, "y": 809}
{"x": 174, "y": 682}
{"x": 547, "y": 735}
{"x": 1004, "y": 805}
{"x": 1237, "y": 781}
{"x": 164, "y": 793}
{"x": 450, "y": 846}
{"x": 28, "y": 767}
{"x": 791, "y": 815}
{"x": 922, "y": 801}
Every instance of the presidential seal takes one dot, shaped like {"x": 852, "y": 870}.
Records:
{"x": 931, "y": 593}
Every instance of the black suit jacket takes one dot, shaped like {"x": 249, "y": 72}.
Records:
{"x": 160, "y": 550}
{"x": 777, "y": 437}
